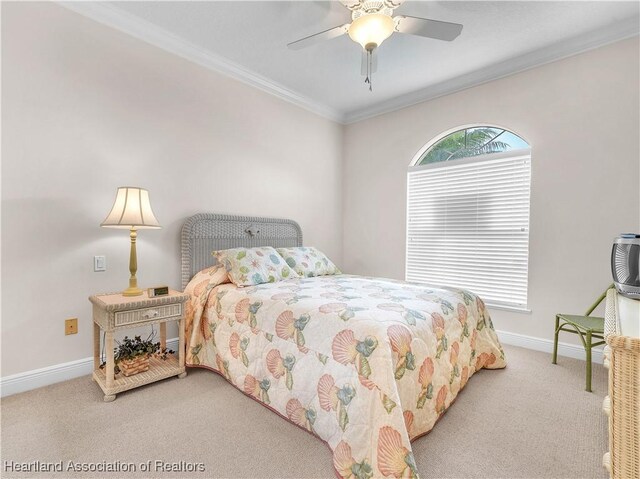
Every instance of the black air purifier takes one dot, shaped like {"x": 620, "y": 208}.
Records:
{"x": 625, "y": 265}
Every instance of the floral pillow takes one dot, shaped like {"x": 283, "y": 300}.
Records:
{"x": 251, "y": 266}
{"x": 308, "y": 261}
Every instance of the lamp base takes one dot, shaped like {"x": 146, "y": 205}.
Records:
{"x": 133, "y": 289}
{"x": 132, "y": 292}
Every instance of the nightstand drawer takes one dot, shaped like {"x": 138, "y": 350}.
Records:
{"x": 147, "y": 314}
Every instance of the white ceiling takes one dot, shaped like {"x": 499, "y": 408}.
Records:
{"x": 248, "y": 39}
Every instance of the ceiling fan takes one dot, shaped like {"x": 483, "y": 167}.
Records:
{"x": 373, "y": 22}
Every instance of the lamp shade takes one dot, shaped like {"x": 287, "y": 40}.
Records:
{"x": 131, "y": 209}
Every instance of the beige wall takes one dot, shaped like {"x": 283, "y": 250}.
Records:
{"x": 581, "y": 116}
{"x": 86, "y": 109}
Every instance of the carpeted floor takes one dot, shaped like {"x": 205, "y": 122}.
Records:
{"x": 531, "y": 420}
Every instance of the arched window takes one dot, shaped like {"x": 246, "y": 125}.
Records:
{"x": 468, "y": 197}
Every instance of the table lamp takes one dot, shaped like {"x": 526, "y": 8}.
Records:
{"x": 131, "y": 210}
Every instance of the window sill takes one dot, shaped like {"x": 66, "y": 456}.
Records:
{"x": 514, "y": 309}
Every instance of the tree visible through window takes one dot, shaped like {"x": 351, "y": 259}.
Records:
{"x": 468, "y": 215}
{"x": 472, "y": 142}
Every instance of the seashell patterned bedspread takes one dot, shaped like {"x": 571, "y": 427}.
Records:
{"x": 366, "y": 364}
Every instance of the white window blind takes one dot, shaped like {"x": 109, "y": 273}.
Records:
{"x": 468, "y": 226}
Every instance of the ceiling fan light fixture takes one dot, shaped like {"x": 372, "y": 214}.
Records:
{"x": 371, "y": 30}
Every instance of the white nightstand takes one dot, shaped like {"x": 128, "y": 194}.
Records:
{"x": 115, "y": 312}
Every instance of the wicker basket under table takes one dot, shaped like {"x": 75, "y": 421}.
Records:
{"x": 139, "y": 364}
{"x": 623, "y": 402}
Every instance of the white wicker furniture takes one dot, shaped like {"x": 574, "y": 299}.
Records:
{"x": 115, "y": 312}
{"x": 622, "y": 405}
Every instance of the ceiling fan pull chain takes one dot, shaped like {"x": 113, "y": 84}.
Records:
{"x": 370, "y": 70}
{"x": 369, "y": 73}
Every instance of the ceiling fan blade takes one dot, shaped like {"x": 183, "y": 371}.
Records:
{"x": 424, "y": 27}
{"x": 319, "y": 37}
{"x": 365, "y": 59}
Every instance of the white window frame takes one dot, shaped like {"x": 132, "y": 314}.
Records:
{"x": 524, "y": 154}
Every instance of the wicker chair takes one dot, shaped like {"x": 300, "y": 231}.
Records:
{"x": 587, "y": 327}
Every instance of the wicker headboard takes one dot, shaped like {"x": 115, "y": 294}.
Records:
{"x": 206, "y": 232}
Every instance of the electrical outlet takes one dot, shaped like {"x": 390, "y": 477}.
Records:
{"x": 71, "y": 326}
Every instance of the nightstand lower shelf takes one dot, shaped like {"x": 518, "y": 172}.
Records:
{"x": 158, "y": 369}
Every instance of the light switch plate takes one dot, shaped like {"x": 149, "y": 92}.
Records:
{"x": 99, "y": 263}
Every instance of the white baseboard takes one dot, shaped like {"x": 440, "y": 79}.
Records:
{"x": 38, "y": 378}
{"x": 575, "y": 351}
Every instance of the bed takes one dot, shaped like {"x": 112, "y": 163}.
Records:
{"x": 365, "y": 364}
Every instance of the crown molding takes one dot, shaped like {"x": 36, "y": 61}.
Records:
{"x": 610, "y": 34}
{"x": 148, "y": 32}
